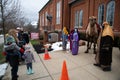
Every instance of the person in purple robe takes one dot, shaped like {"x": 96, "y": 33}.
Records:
{"x": 71, "y": 38}
{"x": 75, "y": 42}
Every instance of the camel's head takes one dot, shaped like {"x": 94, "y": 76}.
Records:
{"x": 92, "y": 20}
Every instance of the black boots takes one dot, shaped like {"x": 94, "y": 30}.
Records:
{"x": 107, "y": 69}
{"x": 98, "y": 65}
{"x": 15, "y": 77}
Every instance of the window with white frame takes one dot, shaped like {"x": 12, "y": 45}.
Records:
{"x": 46, "y": 13}
{"x": 40, "y": 20}
{"x": 110, "y": 12}
{"x": 58, "y": 8}
{"x": 76, "y": 19}
{"x": 79, "y": 19}
{"x": 101, "y": 14}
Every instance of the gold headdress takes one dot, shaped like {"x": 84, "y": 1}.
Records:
{"x": 65, "y": 31}
{"x": 107, "y": 30}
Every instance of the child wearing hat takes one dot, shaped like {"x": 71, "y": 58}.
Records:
{"x": 28, "y": 56}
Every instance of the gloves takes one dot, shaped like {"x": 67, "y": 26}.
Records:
{"x": 22, "y": 50}
{"x": 4, "y": 53}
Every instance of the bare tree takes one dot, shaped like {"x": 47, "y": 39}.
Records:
{"x": 9, "y": 14}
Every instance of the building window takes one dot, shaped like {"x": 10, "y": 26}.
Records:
{"x": 46, "y": 13}
{"x": 40, "y": 20}
{"x": 79, "y": 19}
{"x": 110, "y": 12}
{"x": 58, "y": 12}
{"x": 43, "y": 20}
{"x": 76, "y": 19}
{"x": 100, "y": 14}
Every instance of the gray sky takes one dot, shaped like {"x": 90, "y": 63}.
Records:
{"x": 31, "y": 8}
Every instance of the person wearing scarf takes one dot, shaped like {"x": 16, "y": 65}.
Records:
{"x": 105, "y": 46}
{"x": 64, "y": 38}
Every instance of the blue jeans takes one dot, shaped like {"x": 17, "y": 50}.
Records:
{"x": 29, "y": 65}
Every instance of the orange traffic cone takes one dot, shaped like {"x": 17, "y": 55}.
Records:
{"x": 64, "y": 75}
{"x": 46, "y": 55}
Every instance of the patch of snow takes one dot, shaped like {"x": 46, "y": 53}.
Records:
{"x": 1, "y": 35}
{"x": 3, "y": 68}
{"x": 58, "y": 46}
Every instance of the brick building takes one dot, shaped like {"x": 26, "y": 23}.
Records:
{"x": 75, "y": 14}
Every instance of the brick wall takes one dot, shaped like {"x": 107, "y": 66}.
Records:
{"x": 83, "y": 5}
{"x": 89, "y": 7}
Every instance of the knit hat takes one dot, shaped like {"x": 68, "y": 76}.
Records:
{"x": 9, "y": 39}
{"x": 27, "y": 48}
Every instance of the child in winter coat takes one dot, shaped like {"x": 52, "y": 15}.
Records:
{"x": 28, "y": 56}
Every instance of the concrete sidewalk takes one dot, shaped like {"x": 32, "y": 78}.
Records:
{"x": 80, "y": 67}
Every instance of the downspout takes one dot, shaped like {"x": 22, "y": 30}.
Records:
{"x": 88, "y": 10}
{"x": 62, "y": 13}
{"x": 69, "y": 17}
{"x": 93, "y": 7}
